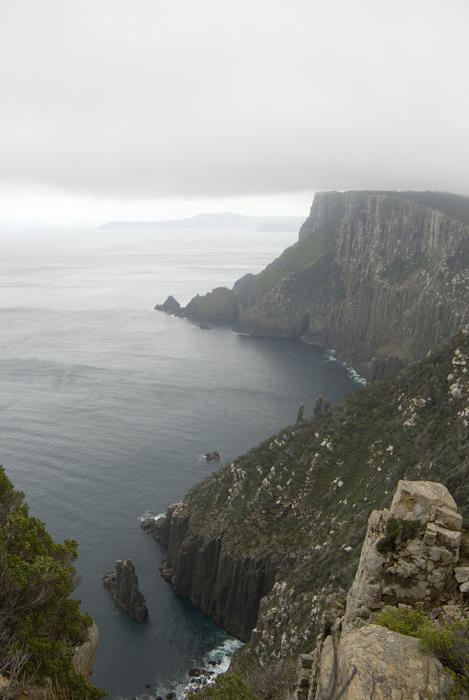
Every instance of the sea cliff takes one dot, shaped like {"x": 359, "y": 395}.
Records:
{"x": 381, "y": 275}
{"x": 262, "y": 542}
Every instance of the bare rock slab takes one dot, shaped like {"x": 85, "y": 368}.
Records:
{"x": 389, "y": 666}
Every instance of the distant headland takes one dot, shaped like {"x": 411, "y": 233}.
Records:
{"x": 208, "y": 221}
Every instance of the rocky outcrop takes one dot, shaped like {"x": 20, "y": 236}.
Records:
{"x": 363, "y": 660}
{"x": 123, "y": 587}
{"x": 169, "y": 306}
{"x": 418, "y": 569}
{"x": 382, "y": 277}
{"x": 322, "y": 405}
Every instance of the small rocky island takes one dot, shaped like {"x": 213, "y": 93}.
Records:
{"x": 123, "y": 587}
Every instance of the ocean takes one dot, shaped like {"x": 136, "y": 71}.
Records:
{"x": 107, "y": 406}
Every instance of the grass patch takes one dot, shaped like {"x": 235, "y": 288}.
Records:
{"x": 300, "y": 256}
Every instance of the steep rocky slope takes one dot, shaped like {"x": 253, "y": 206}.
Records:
{"x": 374, "y": 274}
{"x": 260, "y": 543}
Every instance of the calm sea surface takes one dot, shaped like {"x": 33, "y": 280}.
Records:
{"x": 106, "y": 407}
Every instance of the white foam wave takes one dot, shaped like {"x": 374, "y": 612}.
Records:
{"x": 330, "y": 356}
{"x": 147, "y": 515}
{"x": 216, "y": 661}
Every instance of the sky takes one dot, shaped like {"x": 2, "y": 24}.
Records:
{"x": 153, "y": 109}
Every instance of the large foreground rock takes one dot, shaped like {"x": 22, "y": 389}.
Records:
{"x": 123, "y": 587}
{"x": 389, "y": 666}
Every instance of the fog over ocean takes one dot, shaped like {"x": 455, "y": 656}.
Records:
{"x": 106, "y": 407}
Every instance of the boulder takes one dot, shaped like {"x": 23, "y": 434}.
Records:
{"x": 419, "y": 500}
{"x": 123, "y": 587}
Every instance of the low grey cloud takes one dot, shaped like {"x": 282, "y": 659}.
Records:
{"x": 209, "y": 98}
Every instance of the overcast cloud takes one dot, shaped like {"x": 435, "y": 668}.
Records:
{"x": 214, "y": 98}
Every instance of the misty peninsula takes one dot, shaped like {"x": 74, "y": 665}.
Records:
{"x": 381, "y": 277}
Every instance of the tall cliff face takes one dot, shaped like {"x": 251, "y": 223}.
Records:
{"x": 260, "y": 543}
{"x": 374, "y": 274}
{"x": 391, "y": 278}
{"x": 203, "y": 567}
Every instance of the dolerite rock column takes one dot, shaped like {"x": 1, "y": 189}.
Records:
{"x": 123, "y": 587}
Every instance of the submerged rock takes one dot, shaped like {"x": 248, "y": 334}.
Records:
{"x": 123, "y": 587}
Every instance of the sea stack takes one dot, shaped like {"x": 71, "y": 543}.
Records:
{"x": 123, "y": 587}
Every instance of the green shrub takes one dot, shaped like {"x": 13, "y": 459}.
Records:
{"x": 398, "y": 530}
{"x": 40, "y": 622}
{"x": 409, "y": 621}
{"x": 448, "y": 643}
{"x": 228, "y": 686}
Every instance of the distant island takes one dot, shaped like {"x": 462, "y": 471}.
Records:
{"x": 221, "y": 220}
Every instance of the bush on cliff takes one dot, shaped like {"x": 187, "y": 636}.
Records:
{"x": 40, "y": 623}
{"x": 229, "y": 686}
{"x": 448, "y": 643}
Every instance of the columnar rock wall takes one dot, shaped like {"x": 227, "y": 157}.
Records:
{"x": 226, "y": 586}
{"x": 393, "y": 280}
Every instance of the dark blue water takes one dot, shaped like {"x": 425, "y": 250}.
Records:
{"x": 107, "y": 405}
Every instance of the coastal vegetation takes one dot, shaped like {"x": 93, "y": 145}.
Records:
{"x": 40, "y": 624}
